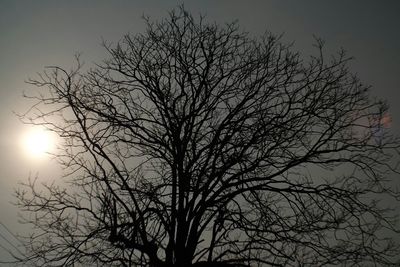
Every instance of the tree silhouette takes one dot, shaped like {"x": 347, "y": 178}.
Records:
{"x": 195, "y": 144}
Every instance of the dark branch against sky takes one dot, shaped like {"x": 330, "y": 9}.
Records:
{"x": 35, "y": 34}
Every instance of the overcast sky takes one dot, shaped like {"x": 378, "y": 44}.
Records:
{"x": 34, "y": 34}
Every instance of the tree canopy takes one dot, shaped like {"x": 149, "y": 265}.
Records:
{"x": 195, "y": 144}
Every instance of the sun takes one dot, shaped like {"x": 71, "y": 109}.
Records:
{"x": 37, "y": 142}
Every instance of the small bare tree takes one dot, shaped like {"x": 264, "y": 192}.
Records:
{"x": 195, "y": 144}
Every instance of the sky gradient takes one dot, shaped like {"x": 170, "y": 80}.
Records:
{"x": 35, "y": 34}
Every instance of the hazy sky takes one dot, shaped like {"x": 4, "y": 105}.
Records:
{"x": 34, "y": 34}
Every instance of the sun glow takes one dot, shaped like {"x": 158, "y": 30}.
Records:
{"x": 38, "y": 142}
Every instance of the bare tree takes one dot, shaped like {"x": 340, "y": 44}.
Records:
{"x": 195, "y": 144}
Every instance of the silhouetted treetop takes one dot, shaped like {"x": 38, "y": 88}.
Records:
{"x": 195, "y": 144}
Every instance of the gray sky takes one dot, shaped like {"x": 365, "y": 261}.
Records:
{"x": 34, "y": 34}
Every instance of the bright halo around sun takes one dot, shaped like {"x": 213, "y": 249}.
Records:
{"x": 37, "y": 142}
